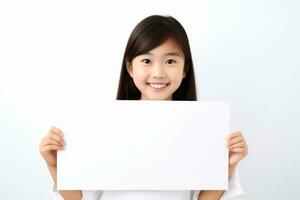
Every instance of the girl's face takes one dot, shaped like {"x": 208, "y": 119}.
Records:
{"x": 158, "y": 73}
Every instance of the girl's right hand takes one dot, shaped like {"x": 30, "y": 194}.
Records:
{"x": 49, "y": 145}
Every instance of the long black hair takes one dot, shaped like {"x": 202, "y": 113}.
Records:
{"x": 148, "y": 34}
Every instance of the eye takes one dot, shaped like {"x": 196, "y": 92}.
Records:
{"x": 171, "y": 61}
{"x": 146, "y": 61}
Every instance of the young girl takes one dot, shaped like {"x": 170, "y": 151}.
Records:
{"x": 157, "y": 65}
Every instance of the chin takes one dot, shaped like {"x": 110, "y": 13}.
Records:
{"x": 161, "y": 98}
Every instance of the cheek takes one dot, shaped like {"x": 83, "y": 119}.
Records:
{"x": 139, "y": 73}
{"x": 177, "y": 74}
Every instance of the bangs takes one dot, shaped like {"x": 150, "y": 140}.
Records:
{"x": 150, "y": 35}
{"x": 151, "y": 41}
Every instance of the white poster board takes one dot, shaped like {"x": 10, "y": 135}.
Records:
{"x": 145, "y": 145}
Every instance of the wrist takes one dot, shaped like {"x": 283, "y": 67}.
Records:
{"x": 51, "y": 166}
{"x": 231, "y": 170}
{"x": 53, "y": 172}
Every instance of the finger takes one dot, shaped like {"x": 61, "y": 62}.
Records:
{"x": 56, "y": 137}
{"x": 235, "y": 140}
{"x": 57, "y": 131}
{"x": 238, "y": 150}
{"x": 51, "y": 147}
{"x": 234, "y": 134}
{"x": 49, "y": 140}
{"x": 239, "y": 144}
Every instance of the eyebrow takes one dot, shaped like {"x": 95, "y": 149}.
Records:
{"x": 166, "y": 54}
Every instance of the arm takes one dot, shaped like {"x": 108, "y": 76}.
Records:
{"x": 49, "y": 146}
{"x": 215, "y": 194}
{"x": 238, "y": 149}
{"x": 66, "y": 194}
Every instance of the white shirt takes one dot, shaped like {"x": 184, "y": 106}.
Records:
{"x": 234, "y": 192}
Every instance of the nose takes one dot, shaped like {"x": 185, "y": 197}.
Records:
{"x": 158, "y": 71}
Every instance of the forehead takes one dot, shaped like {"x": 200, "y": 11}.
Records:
{"x": 169, "y": 47}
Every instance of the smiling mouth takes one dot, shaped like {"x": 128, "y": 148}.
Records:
{"x": 158, "y": 85}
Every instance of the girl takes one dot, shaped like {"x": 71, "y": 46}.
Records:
{"x": 157, "y": 65}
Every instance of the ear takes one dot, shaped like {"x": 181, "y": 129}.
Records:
{"x": 129, "y": 68}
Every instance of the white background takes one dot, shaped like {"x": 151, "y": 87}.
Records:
{"x": 54, "y": 53}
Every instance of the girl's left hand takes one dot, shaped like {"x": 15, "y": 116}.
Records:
{"x": 238, "y": 148}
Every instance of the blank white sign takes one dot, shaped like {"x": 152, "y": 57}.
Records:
{"x": 145, "y": 145}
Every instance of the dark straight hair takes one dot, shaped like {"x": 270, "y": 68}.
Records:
{"x": 148, "y": 34}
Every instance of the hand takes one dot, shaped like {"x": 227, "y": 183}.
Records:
{"x": 238, "y": 148}
{"x": 49, "y": 145}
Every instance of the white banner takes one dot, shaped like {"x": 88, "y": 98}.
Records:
{"x": 145, "y": 145}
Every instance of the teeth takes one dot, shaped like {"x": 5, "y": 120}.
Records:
{"x": 157, "y": 85}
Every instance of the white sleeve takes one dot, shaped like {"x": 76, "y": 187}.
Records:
{"x": 195, "y": 194}
{"x": 86, "y": 194}
{"x": 234, "y": 192}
